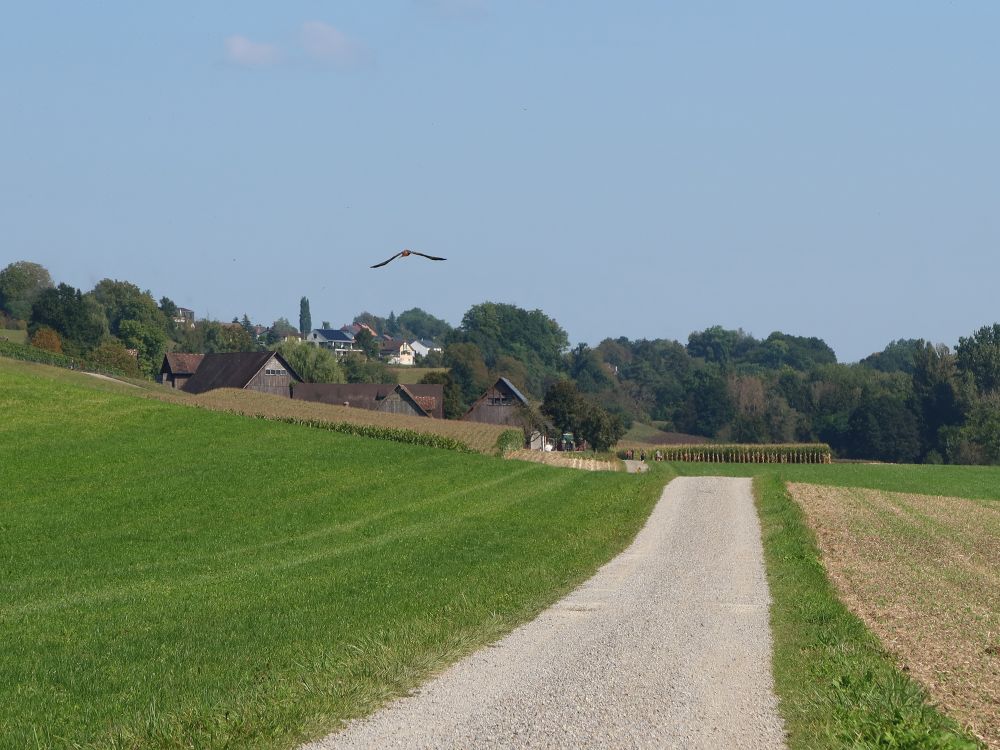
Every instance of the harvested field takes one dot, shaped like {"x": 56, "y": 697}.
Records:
{"x": 922, "y": 573}
{"x": 480, "y": 437}
{"x": 568, "y": 460}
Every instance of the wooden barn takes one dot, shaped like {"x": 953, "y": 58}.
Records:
{"x": 418, "y": 400}
{"x": 502, "y": 403}
{"x": 177, "y": 368}
{"x": 266, "y": 372}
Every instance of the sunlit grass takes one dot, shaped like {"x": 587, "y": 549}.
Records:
{"x": 176, "y": 577}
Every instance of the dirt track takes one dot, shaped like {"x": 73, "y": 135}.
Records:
{"x": 667, "y": 646}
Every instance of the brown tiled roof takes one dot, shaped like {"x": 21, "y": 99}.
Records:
{"x": 231, "y": 370}
{"x": 180, "y": 363}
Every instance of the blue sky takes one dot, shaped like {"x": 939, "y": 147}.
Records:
{"x": 644, "y": 169}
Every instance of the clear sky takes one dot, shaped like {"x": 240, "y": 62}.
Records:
{"x": 641, "y": 168}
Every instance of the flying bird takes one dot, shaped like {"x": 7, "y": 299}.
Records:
{"x": 403, "y": 254}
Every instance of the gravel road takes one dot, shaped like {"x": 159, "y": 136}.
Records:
{"x": 667, "y": 646}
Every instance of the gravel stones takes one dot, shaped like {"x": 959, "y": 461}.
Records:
{"x": 668, "y": 645}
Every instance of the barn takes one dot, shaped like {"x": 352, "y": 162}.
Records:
{"x": 265, "y": 372}
{"x": 502, "y": 403}
{"x": 178, "y": 367}
{"x": 418, "y": 400}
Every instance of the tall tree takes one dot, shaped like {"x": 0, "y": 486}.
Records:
{"x": 20, "y": 284}
{"x": 979, "y": 354}
{"x": 313, "y": 363}
{"x": 78, "y": 318}
{"x": 305, "y": 317}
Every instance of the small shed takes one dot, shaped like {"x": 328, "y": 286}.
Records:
{"x": 265, "y": 372}
{"x": 177, "y": 368}
{"x": 502, "y": 404}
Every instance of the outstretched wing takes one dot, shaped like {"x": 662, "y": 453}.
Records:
{"x": 379, "y": 265}
{"x": 425, "y": 255}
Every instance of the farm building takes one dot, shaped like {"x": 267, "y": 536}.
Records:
{"x": 501, "y": 404}
{"x": 421, "y": 400}
{"x": 266, "y": 372}
{"x": 177, "y": 368}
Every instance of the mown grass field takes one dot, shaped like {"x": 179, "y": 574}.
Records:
{"x": 176, "y": 577}
{"x": 17, "y": 336}
{"x": 838, "y": 684}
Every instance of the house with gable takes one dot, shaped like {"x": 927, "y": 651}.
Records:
{"x": 397, "y": 352}
{"x": 423, "y": 347}
{"x": 339, "y": 342}
{"x": 265, "y": 372}
{"x": 177, "y": 368}
{"x": 504, "y": 404}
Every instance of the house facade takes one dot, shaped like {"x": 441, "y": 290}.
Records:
{"x": 397, "y": 352}
{"x": 423, "y": 347}
{"x": 338, "y": 342}
{"x": 264, "y": 372}
{"x": 178, "y": 368}
{"x": 501, "y": 404}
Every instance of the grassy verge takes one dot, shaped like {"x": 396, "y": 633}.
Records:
{"x": 174, "y": 577}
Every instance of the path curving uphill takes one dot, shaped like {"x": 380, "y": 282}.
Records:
{"x": 668, "y": 645}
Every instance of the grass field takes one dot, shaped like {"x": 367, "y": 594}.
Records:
{"x": 176, "y": 577}
{"x": 18, "y": 337}
{"x": 413, "y": 374}
{"x": 837, "y": 684}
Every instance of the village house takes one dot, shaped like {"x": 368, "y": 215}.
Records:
{"x": 177, "y": 368}
{"x": 265, "y": 372}
{"x": 184, "y": 317}
{"x": 338, "y": 342}
{"x": 419, "y": 400}
{"x": 423, "y": 347}
{"x": 397, "y": 352}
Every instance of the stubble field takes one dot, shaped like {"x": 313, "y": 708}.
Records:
{"x": 923, "y": 573}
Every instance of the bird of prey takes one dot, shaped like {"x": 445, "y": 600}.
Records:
{"x": 403, "y": 254}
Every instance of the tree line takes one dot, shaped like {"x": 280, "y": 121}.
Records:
{"x": 914, "y": 401}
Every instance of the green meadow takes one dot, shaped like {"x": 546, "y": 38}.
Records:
{"x": 175, "y": 577}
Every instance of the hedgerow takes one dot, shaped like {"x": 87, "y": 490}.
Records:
{"x": 27, "y": 353}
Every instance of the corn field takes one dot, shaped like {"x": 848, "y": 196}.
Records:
{"x": 812, "y": 453}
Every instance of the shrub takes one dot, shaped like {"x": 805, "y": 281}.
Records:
{"x": 509, "y": 440}
{"x": 47, "y": 339}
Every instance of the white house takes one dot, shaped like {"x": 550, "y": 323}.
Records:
{"x": 423, "y": 347}
{"x": 397, "y": 353}
{"x": 339, "y": 342}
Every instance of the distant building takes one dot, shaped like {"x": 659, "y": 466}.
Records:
{"x": 501, "y": 404}
{"x": 265, "y": 372}
{"x": 423, "y": 347}
{"x": 419, "y": 400}
{"x": 177, "y": 368}
{"x": 397, "y": 352}
{"x": 184, "y": 317}
{"x": 339, "y": 342}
